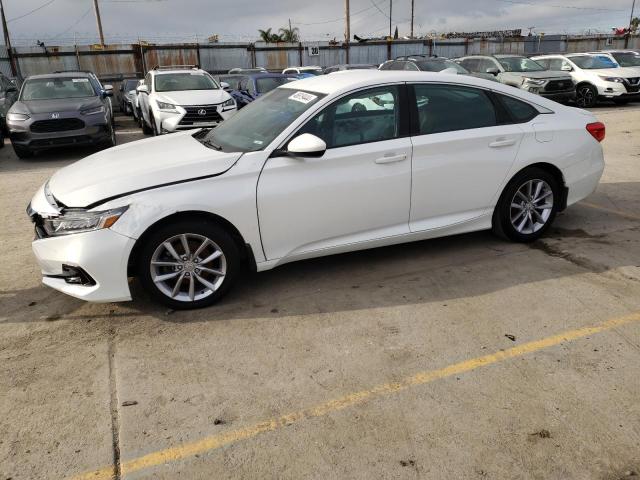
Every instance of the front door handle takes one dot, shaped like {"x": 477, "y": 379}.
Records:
{"x": 391, "y": 158}
{"x": 503, "y": 142}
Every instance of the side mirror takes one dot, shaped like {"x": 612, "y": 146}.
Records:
{"x": 493, "y": 71}
{"x": 225, "y": 86}
{"x": 566, "y": 68}
{"x": 307, "y": 145}
{"x": 108, "y": 90}
{"x": 143, "y": 89}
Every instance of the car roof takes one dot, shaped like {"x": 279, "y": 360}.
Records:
{"x": 177, "y": 70}
{"x": 60, "y": 75}
{"x": 506, "y": 55}
{"x": 349, "y": 80}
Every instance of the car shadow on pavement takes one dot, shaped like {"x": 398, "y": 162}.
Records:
{"x": 582, "y": 240}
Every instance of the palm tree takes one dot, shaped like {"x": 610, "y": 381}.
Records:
{"x": 268, "y": 37}
{"x": 265, "y": 35}
{"x": 290, "y": 34}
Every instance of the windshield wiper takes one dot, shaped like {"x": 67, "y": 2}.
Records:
{"x": 210, "y": 144}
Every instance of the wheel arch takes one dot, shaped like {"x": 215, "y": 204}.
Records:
{"x": 196, "y": 215}
{"x": 552, "y": 170}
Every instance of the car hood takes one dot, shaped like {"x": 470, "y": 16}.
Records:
{"x": 555, "y": 74}
{"x": 57, "y": 105}
{"x": 137, "y": 166}
{"x": 194, "y": 97}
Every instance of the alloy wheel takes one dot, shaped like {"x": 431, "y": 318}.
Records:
{"x": 585, "y": 97}
{"x": 531, "y": 206}
{"x": 188, "y": 267}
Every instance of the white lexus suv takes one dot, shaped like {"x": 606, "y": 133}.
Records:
{"x": 181, "y": 98}
{"x": 325, "y": 165}
{"x": 597, "y": 76}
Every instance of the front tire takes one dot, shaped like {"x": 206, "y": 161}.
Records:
{"x": 146, "y": 129}
{"x": 189, "y": 264}
{"x": 586, "y": 96}
{"x": 527, "y": 206}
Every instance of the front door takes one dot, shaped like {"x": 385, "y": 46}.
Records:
{"x": 359, "y": 190}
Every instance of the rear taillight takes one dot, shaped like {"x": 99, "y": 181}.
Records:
{"x": 597, "y": 130}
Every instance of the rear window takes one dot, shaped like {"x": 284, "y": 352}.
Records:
{"x": 56, "y": 88}
{"x": 519, "y": 111}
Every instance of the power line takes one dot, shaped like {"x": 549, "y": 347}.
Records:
{"x": 31, "y": 11}
{"x": 76, "y": 23}
{"x": 336, "y": 19}
{"x": 571, "y": 7}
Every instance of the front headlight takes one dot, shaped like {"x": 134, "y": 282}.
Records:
{"x": 93, "y": 111}
{"x": 612, "y": 79}
{"x": 534, "y": 81}
{"x": 166, "y": 107}
{"x": 229, "y": 104}
{"x": 77, "y": 221}
{"x": 17, "y": 117}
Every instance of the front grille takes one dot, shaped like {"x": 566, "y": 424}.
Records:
{"x": 54, "y": 142}
{"x": 634, "y": 80}
{"x": 632, "y": 84}
{"x": 57, "y": 125}
{"x": 195, "y": 114}
{"x": 559, "y": 85}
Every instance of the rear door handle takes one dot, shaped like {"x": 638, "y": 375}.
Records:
{"x": 503, "y": 142}
{"x": 391, "y": 158}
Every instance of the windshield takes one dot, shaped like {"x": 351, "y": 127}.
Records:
{"x": 592, "y": 62}
{"x": 627, "y": 59}
{"x": 439, "y": 65}
{"x": 259, "y": 123}
{"x": 57, "y": 87}
{"x": 174, "y": 82}
{"x": 267, "y": 84}
{"x": 130, "y": 85}
{"x": 520, "y": 64}
{"x": 233, "y": 81}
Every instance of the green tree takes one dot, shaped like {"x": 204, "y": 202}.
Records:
{"x": 290, "y": 34}
{"x": 635, "y": 23}
{"x": 268, "y": 37}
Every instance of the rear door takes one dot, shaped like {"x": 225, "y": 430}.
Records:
{"x": 462, "y": 152}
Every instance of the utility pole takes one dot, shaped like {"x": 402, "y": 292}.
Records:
{"x": 626, "y": 38}
{"x": 7, "y": 40}
{"x": 390, "y": 15}
{"x": 97, "y": 10}
{"x": 412, "y": 1}
{"x": 347, "y": 29}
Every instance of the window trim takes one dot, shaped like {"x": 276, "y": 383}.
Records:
{"x": 404, "y": 126}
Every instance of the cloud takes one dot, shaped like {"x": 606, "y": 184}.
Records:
{"x": 238, "y": 20}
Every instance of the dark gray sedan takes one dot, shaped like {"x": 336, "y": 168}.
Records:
{"x": 60, "y": 109}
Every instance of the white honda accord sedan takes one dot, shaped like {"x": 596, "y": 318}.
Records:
{"x": 330, "y": 164}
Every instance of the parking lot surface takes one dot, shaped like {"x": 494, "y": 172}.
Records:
{"x": 464, "y": 357}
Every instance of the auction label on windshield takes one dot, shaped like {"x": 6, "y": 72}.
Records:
{"x": 79, "y": 80}
{"x": 303, "y": 97}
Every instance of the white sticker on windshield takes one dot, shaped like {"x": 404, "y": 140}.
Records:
{"x": 303, "y": 97}
{"x": 82, "y": 80}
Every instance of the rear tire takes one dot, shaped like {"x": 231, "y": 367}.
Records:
{"x": 22, "y": 152}
{"x": 192, "y": 275}
{"x": 586, "y": 96}
{"x": 527, "y": 206}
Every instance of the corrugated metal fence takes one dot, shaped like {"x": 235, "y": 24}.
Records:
{"x": 112, "y": 63}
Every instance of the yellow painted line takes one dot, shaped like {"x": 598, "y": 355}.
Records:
{"x": 611, "y": 210}
{"x": 214, "y": 442}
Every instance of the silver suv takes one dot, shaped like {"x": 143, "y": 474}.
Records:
{"x": 524, "y": 73}
{"x": 61, "y": 109}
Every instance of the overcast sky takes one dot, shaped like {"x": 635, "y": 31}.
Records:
{"x": 60, "y": 21}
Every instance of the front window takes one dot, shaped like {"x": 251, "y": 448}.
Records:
{"x": 56, "y": 88}
{"x": 520, "y": 64}
{"x": 592, "y": 62}
{"x": 174, "y": 82}
{"x": 130, "y": 85}
{"x": 367, "y": 116}
{"x": 266, "y": 84}
{"x": 259, "y": 123}
{"x": 439, "y": 65}
{"x": 627, "y": 59}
